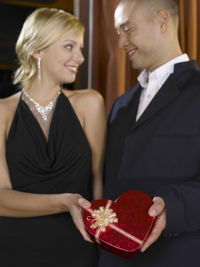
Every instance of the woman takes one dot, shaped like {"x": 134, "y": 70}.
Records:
{"x": 51, "y": 149}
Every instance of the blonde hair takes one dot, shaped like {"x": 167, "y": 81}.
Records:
{"x": 42, "y": 28}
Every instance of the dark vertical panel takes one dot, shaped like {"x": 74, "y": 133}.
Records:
{"x": 83, "y": 10}
{"x": 11, "y": 20}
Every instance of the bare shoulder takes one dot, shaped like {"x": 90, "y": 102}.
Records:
{"x": 90, "y": 95}
{"x": 8, "y": 105}
{"x": 88, "y": 104}
{"x": 86, "y": 99}
{"x": 7, "y": 110}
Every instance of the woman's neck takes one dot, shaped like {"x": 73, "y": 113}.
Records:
{"x": 42, "y": 92}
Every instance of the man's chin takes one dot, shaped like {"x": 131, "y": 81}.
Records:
{"x": 136, "y": 66}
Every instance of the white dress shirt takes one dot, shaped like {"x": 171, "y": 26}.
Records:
{"x": 153, "y": 81}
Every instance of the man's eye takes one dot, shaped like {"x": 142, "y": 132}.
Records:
{"x": 126, "y": 29}
{"x": 118, "y": 33}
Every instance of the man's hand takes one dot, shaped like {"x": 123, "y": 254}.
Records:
{"x": 156, "y": 210}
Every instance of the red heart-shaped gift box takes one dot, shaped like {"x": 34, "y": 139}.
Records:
{"x": 120, "y": 227}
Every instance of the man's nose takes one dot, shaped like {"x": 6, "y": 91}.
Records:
{"x": 123, "y": 43}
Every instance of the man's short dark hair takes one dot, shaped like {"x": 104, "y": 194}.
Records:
{"x": 170, "y": 5}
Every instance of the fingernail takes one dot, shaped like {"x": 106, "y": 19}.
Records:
{"x": 152, "y": 213}
{"x": 86, "y": 204}
{"x": 143, "y": 249}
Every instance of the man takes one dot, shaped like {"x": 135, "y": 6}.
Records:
{"x": 154, "y": 135}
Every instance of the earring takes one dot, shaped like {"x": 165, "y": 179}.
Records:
{"x": 39, "y": 68}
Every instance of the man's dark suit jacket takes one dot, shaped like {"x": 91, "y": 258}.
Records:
{"x": 160, "y": 154}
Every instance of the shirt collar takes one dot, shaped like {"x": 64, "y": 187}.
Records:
{"x": 161, "y": 74}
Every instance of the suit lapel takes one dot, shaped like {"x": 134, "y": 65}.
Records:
{"x": 166, "y": 94}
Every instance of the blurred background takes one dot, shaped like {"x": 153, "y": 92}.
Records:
{"x": 106, "y": 67}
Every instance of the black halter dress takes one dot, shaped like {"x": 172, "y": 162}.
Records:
{"x": 61, "y": 164}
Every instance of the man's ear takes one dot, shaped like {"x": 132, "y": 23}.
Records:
{"x": 163, "y": 18}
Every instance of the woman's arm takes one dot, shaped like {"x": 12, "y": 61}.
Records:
{"x": 95, "y": 128}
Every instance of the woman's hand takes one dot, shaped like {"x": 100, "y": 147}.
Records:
{"x": 75, "y": 204}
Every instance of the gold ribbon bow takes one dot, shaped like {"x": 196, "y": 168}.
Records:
{"x": 103, "y": 217}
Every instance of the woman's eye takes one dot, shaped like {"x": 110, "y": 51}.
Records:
{"x": 69, "y": 46}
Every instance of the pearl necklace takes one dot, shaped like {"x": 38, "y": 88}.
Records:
{"x": 43, "y": 111}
